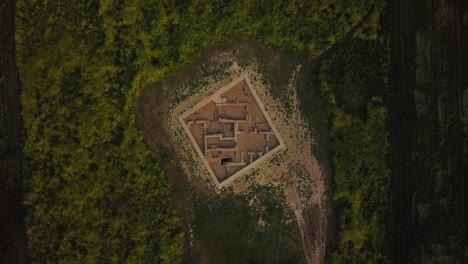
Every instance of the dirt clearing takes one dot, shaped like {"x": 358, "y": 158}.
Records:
{"x": 294, "y": 170}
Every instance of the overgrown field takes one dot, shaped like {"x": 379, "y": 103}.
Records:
{"x": 96, "y": 194}
{"x": 353, "y": 81}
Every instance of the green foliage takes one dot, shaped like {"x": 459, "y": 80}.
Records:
{"x": 360, "y": 148}
{"x": 95, "y": 194}
{"x": 252, "y": 228}
{"x": 371, "y": 26}
{"x": 356, "y": 73}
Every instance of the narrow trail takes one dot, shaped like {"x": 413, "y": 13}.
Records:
{"x": 315, "y": 242}
{"x": 313, "y": 228}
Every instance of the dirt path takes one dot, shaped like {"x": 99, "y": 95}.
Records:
{"x": 313, "y": 228}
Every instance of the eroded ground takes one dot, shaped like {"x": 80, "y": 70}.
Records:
{"x": 294, "y": 170}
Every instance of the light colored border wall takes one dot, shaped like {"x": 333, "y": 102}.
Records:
{"x": 243, "y": 76}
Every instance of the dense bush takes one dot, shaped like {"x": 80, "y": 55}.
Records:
{"x": 96, "y": 194}
{"x": 356, "y": 73}
{"x": 360, "y": 148}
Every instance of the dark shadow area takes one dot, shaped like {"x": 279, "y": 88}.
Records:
{"x": 427, "y": 123}
{"x": 225, "y": 160}
{"x": 12, "y": 231}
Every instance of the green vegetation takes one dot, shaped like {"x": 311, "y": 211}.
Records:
{"x": 353, "y": 81}
{"x": 315, "y": 110}
{"x": 95, "y": 193}
{"x": 252, "y": 228}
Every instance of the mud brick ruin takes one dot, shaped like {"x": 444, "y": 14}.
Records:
{"x": 231, "y": 131}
